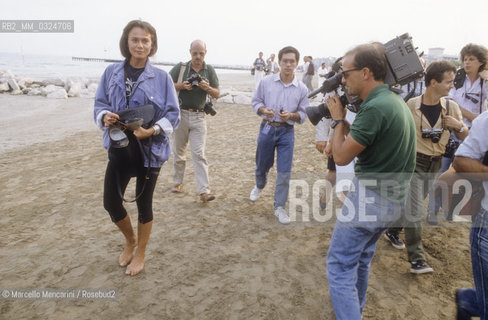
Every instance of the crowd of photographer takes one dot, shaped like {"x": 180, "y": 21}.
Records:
{"x": 397, "y": 145}
{"x": 441, "y": 115}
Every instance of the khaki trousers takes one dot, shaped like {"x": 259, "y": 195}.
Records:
{"x": 193, "y": 129}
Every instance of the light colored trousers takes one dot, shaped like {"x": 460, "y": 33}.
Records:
{"x": 192, "y": 128}
{"x": 258, "y": 76}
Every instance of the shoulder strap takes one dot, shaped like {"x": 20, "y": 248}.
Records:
{"x": 182, "y": 72}
{"x": 481, "y": 95}
{"x": 180, "y": 75}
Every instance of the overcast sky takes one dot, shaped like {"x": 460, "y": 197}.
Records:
{"x": 236, "y": 30}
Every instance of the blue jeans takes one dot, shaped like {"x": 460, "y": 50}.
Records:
{"x": 283, "y": 140}
{"x": 474, "y": 302}
{"x": 352, "y": 247}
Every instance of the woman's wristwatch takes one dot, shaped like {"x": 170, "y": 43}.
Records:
{"x": 157, "y": 130}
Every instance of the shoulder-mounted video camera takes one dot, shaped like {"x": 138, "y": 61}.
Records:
{"x": 403, "y": 66}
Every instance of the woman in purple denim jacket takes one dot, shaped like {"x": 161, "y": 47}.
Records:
{"x": 129, "y": 84}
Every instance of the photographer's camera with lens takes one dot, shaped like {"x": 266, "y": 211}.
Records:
{"x": 432, "y": 134}
{"x": 194, "y": 79}
{"x": 404, "y": 66}
{"x": 209, "y": 109}
{"x": 333, "y": 82}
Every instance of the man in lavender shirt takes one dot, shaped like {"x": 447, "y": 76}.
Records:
{"x": 280, "y": 100}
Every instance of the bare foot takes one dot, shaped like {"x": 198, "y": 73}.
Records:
{"x": 126, "y": 255}
{"x": 136, "y": 265}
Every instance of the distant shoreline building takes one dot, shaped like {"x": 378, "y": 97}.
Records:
{"x": 437, "y": 54}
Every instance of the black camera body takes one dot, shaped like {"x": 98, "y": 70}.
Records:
{"x": 209, "y": 109}
{"x": 194, "y": 79}
{"x": 315, "y": 114}
{"x": 432, "y": 134}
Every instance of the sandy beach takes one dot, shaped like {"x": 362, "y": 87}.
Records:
{"x": 228, "y": 259}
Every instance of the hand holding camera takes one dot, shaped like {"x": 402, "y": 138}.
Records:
{"x": 187, "y": 85}
{"x": 204, "y": 85}
{"x": 337, "y": 111}
{"x": 110, "y": 118}
{"x": 284, "y": 115}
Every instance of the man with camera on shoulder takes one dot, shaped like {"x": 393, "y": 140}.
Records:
{"x": 382, "y": 138}
{"x": 434, "y": 117}
{"x": 193, "y": 80}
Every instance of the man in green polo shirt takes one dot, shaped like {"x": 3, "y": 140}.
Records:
{"x": 193, "y": 127}
{"x": 433, "y": 121}
{"x": 382, "y": 138}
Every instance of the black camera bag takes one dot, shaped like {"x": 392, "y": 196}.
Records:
{"x": 452, "y": 145}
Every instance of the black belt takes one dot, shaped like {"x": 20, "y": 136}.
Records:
{"x": 426, "y": 157}
{"x": 276, "y": 124}
{"x": 192, "y": 110}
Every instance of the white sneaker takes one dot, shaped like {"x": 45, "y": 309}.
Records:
{"x": 282, "y": 216}
{"x": 255, "y": 193}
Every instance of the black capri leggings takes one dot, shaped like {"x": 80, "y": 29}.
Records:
{"x": 111, "y": 198}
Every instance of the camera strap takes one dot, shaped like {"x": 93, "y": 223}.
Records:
{"x": 141, "y": 149}
{"x": 447, "y": 113}
{"x": 180, "y": 76}
{"x": 441, "y": 115}
{"x": 481, "y": 95}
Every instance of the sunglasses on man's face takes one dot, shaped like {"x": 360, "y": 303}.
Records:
{"x": 344, "y": 72}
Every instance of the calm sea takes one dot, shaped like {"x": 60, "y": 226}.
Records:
{"x": 50, "y": 66}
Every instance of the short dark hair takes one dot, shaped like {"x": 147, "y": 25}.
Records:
{"x": 371, "y": 56}
{"x": 124, "y": 44}
{"x": 289, "y": 49}
{"x": 480, "y": 52}
{"x": 436, "y": 71}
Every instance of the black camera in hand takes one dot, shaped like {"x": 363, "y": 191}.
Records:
{"x": 195, "y": 79}
{"x": 432, "y": 134}
{"x": 209, "y": 109}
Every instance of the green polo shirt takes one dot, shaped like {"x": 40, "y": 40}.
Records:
{"x": 385, "y": 126}
{"x": 196, "y": 97}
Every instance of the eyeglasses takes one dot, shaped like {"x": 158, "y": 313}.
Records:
{"x": 344, "y": 72}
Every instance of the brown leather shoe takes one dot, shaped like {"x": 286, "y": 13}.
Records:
{"x": 206, "y": 197}
{"x": 177, "y": 188}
